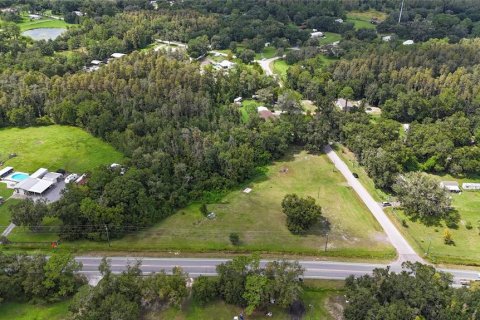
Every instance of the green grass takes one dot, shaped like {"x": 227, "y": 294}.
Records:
{"x": 43, "y": 23}
{"x": 330, "y": 37}
{"x": 316, "y": 297}
{"x": 258, "y": 218}
{"x": 267, "y": 53}
{"x": 249, "y": 108}
{"x": 280, "y": 67}
{"x": 5, "y": 213}
{"x": 54, "y": 147}
{"x": 25, "y": 311}
{"x": 361, "y": 20}
{"x": 361, "y": 24}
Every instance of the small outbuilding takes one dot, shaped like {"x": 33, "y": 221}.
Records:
{"x": 237, "y": 100}
{"x": 470, "y": 186}
{"x": 451, "y": 186}
{"x": 408, "y": 42}
{"x": 317, "y": 34}
{"x": 6, "y": 171}
{"x": 117, "y": 55}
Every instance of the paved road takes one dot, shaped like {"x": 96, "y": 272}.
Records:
{"x": 266, "y": 65}
{"x": 204, "y": 266}
{"x": 405, "y": 251}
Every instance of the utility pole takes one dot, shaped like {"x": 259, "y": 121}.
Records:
{"x": 326, "y": 242}
{"x": 108, "y": 237}
{"x": 401, "y": 11}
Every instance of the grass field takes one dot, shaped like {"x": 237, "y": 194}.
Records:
{"x": 54, "y": 147}
{"x": 267, "y": 53}
{"x": 316, "y": 299}
{"x": 280, "y": 67}
{"x": 25, "y": 311}
{"x": 330, "y": 37}
{"x": 257, "y": 217}
{"x": 5, "y": 213}
{"x": 361, "y": 20}
{"x": 249, "y": 108}
{"x": 28, "y": 24}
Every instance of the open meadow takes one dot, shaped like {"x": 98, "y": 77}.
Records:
{"x": 54, "y": 147}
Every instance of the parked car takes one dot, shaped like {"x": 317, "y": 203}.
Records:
{"x": 386, "y": 204}
{"x": 71, "y": 177}
{"x": 355, "y": 175}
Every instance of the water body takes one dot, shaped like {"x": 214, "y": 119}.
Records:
{"x": 44, "y": 33}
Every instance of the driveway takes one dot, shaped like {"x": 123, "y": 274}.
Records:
{"x": 405, "y": 251}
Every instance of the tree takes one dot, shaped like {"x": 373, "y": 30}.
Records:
{"x": 165, "y": 290}
{"x": 256, "y": 292}
{"x": 29, "y": 213}
{"x": 247, "y": 55}
{"x": 289, "y": 101}
{"x": 302, "y": 213}
{"x": 198, "y": 47}
{"x": 421, "y": 196}
{"x": 447, "y": 237}
{"x": 285, "y": 281}
{"x": 204, "y": 210}
{"x": 61, "y": 278}
{"x": 347, "y": 94}
{"x": 205, "y": 289}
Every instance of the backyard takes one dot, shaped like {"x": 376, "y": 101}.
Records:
{"x": 54, "y": 147}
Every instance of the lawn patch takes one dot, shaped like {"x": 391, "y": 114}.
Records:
{"x": 54, "y": 147}
{"x": 280, "y": 67}
{"x": 248, "y": 109}
{"x": 330, "y": 37}
{"x": 26, "y": 311}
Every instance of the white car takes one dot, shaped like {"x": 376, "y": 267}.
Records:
{"x": 71, "y": 177}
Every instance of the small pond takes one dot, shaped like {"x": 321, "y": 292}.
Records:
{"x": 44, "y": 33}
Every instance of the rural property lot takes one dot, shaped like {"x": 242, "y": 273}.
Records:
{"x": 257, "y": 217}
{"x": 466, "y": 249}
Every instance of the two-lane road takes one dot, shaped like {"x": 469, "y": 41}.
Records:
{"x": 205, "y": 266}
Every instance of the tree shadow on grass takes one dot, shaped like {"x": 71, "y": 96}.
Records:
{"x": 321, "y": 228}
{"x": 451, "y": 219}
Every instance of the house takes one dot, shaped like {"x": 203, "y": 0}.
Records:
{"x": 470, "y": 186}
{"x": 6, "y": 171}
{"x": 339, "y": 20}
{"x": 79, "y": 13}
{"x": 225, "y": 64}
{"x": 317, "y": 34}
{"x": 33, "y": 186}
{"x": 387, "y": 38}
{"x": 237, "y": 100}
{"x": 346, "y": 105}
{"x": 265, "y": 114}
{"x": 35, "y": 16}
{"x": 408, "y": 42}
{"x": 117, "y": 55}
{"x": 451, "y": 186}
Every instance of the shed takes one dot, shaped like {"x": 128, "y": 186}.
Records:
{"x": 339, "y": 20}
{"x": 96, "y": 62}
{"x": 39, "y": 173}
{"x": 317, "y": 34}
{"x": 451, "y": 186}
{"x": 386, "y": 38}
{"x": 5, "y": 171}
{"x": 238, "y": 100}
{"x": 470, "y": 186}
{"x": 117, "y": 55}
{"x": 408, "y": 42}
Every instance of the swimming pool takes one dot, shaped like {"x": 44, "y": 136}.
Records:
{"x": 17, "y": 176}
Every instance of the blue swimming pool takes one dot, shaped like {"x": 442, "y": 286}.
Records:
{"x": 19, "y": 176}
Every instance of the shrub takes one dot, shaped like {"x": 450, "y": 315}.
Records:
{"x": 204, "y": 210}
{"x": 205, "y": 290}
{"x": 469, "y": 225}
{"x": 447, "y": 237}
{"x": 234, "y": 239}
{"x": 404, "y": 223}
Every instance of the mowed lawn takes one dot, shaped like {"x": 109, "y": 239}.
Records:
{"x": 280, "y": 67}
{"x": 27, "y": 24}
{"x": 25, "y": 311}
{"x": 54, "y": 147}
{"x": 257, "y": 217}
{"x": 330, "y": 37}
{"x": 361, "y": 20}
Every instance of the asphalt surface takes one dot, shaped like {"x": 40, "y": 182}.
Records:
{"x": 405, "y": 251}
{"x": 204, "y": 266}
